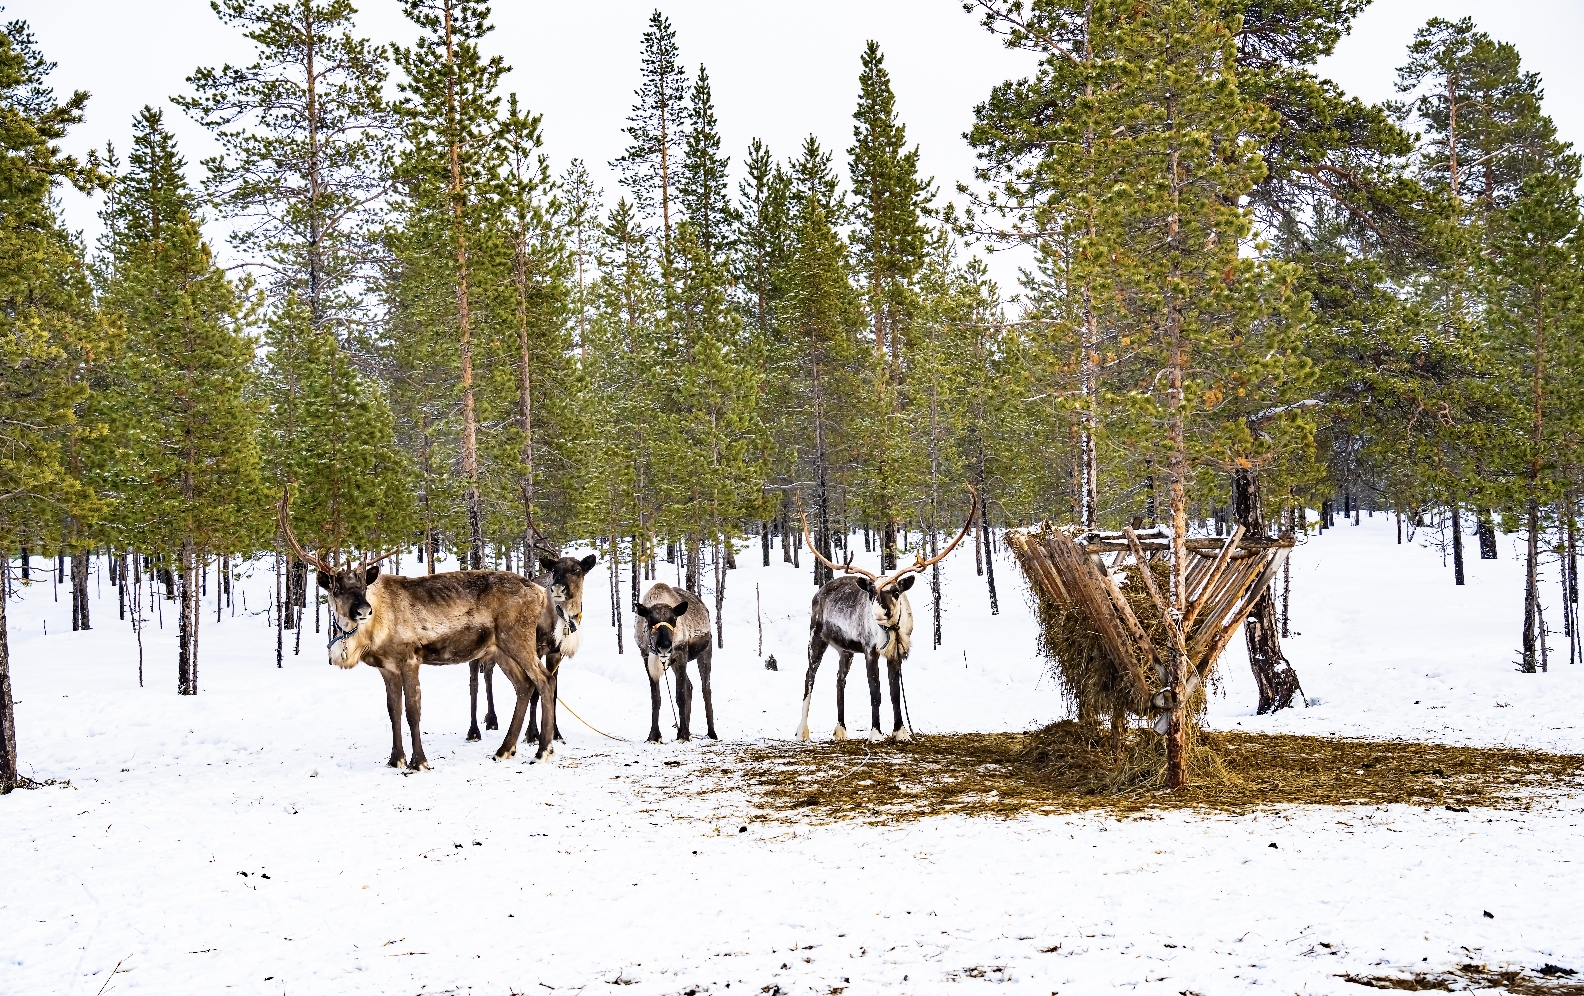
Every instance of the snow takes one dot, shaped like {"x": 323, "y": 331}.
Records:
{"x": 603, "y": 867}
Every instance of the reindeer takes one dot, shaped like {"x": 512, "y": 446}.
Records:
{"x": 398, "y": 624}
{"x": 558, "y": 637}
{"x": 859, "y": 613}
{"x": 670, "y": 628}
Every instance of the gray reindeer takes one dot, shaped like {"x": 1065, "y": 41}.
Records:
{"x": 860, "y": 613}
{"x": 670, "y": 628}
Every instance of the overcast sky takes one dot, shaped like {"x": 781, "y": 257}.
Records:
{"x": 779, "y": 70}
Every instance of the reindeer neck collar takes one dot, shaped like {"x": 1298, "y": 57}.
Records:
{"x": 337, "y": 634}
{"x": 572, "y": 619}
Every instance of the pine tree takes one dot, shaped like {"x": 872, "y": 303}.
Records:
{"x": 1536, "y": 313}
{"x": 48, "y": 330}
{"x": 821, "y": 326}
{"x": 582, "y": 203}
{"x": 763, "y": 249}
{"x": 450, "y": 108}
{"x": 303, "y": 131}
{"x": 657, "y": 129}
{"x": 185, "y": 460}
{"x": 305, "y": 136}
{"x": 889, "y": 239}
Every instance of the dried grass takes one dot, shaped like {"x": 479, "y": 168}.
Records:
{"x": 1069, "y": 767}
{"x": 1546, "y": 981}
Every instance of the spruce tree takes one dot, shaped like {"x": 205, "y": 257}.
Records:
{"x": 184, "y": 460}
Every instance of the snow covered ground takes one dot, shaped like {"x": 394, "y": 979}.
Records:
{"x": 249, "y": 839}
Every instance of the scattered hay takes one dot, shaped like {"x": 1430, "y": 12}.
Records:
{"x": 1549, "y": 980}
{"x": 1069, "y": 766}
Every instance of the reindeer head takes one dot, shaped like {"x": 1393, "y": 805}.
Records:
{"x": 892, "y": 612}
{"x": 347, "y": 588}
{"x": 566, "y": 581}
{"x": 348, "y": 595}
{"x": 662, "y": 622}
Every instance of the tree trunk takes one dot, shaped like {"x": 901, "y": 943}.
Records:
{"x": 187, "y": 625}
{"x": 1531, "y": 652}
{"x": 79, "y": 566}
{"x": 9, "y": 776}
{"x": 1485, "y": 528}
{"x": 1273, "y": 675}
{"x": 1457, "y": 544}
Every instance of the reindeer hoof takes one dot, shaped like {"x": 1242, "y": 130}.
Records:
{"x": 711, "y": 735}
{"x": 803, "y": 733}
{"x": 683, "y": 738}
{"x": 473, "y": 735}
{"x": 490, "y": 723}
{"x": 397, "y": 761}
{"x": 902, "y": 736}
{"x": 418, "y": 764}
{"x": 874, "y": 735}
{"x": 506, "y": 754}
{"x": 840, "y": 734}
{"x": 654, "y": 738}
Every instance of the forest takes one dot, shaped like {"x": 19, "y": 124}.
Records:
{"x": 1252, "y": 296}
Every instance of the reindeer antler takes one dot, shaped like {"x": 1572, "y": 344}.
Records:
{"x": 846, "y": 568}
{"x": 283, "y": 514}
{"x": 919, "y": 563}
{"x": 916, "y": 567}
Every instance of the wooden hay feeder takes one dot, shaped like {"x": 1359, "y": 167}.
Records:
{"x": 1078, "y": 573}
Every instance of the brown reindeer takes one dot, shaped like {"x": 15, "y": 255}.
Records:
{"x": 860, "y": 613}
{"x": 671, "y": 628}
{"x": 398, "y": 624}
{"x": 558, "y": 635}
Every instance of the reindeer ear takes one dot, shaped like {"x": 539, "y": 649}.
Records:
{"x": 324, "y": 579}
{"x": 590, "y": 561}
{"x": 906, "y": 583}
{"x": 370, "y": 574}
{"x": 867, "y": 586}
{"x": 546, "y": 563}
{"x": 680, "y": 609}
{"x": 642, "y": 610}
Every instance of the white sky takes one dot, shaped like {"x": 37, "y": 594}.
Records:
{"x": 779, "y": 70}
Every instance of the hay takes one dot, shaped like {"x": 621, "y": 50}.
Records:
{"x": 1095, "y": 687}
{"x": 1548, "y": 980}
{"x": 1069, "y": 767}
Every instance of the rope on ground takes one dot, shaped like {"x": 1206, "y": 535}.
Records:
{"x": 580, "y": 719}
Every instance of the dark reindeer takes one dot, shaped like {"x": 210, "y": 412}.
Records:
{"x": 398, "y": 624}
{"x": 860, "y": 613}
{"x": 558, "y": 634}
{"x": 670, "y": 628}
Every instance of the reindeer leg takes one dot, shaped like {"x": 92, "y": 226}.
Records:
{"x": 654, "y": 698}
{"x": 473, "y": 728}
{"x": 393, "y": 698}
{"x": 490, "y": 722}
{"x": 547, "y": 728}
{"x": 519, "y": 680}
{"x": 894, "y": 673}
{"x": 414, "y": 697}
{"x": 843, "y": 665}
{"x": 553, "y": 670}
{"x": 531, "y": 734}
{"x": 684, "y": 699}
{"x": 872, "y": 664}
{"x": 816, "y": 654}
{"x": 704, "y": 663}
